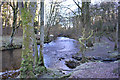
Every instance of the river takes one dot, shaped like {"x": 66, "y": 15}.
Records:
{"x": 60, "y": 50}
{"x": 55, "y": 53}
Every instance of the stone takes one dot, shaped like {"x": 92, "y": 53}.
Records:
{"x": 72, "y": 64}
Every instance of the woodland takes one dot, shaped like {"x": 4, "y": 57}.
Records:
{"x": 59, "y": 39}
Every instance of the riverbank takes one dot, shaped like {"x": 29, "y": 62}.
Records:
{"x": 88, "y": 70}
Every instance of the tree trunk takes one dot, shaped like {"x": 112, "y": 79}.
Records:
{"x": 116, "y": 40}
{"x": 83, "y": 54}
{"x": 41, "y": 32}
{"x": 13, "y": 25}
{"x": 35, "y": 51}
{"x": 0, "y": 38}
{"x": 27, "y": 16}
{"x": 119, "y": 27}
{"x": 47, "y": 34}
{"x": 0, "y": 21}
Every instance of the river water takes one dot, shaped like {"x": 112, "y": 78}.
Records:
{"x": 62, "y": 49}
{"x": 55, "y": 54}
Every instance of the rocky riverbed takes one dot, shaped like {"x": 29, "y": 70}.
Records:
{"x": 63, "y": 55}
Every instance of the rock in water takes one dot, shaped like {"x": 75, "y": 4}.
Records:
{"x": 72, "y": 64}
{"x": 89, "y": 44}
{"x": 77, "y": 58}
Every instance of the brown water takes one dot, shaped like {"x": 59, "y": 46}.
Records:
{"x": 11, "y": 59}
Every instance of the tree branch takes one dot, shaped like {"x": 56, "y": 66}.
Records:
{"x": 70, "y": 9}
{"x": 20, "y": 6}
{"x": 77, "y": 5}
{"x": 19, "y": 24}
{"x": 11, "y": 5}
{"x": 17, "y": 6}
{"x": 1, "y": 3}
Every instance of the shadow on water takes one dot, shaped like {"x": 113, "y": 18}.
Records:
{"x": 11, "y": 61}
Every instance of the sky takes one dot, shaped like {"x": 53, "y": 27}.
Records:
{"x": 70, "y": 2}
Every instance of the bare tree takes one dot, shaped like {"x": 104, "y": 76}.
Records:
{"x": 41, "y": 32}
{"x": 52, "y": 17}
{"x": 0, "y": 20}
{"x": 1, "y": 39}
{"x": 14, "y": 24}
{"x": 118, "y": 29}
{"x": 84, "y": 20}
{"x": 27, "y": 15}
